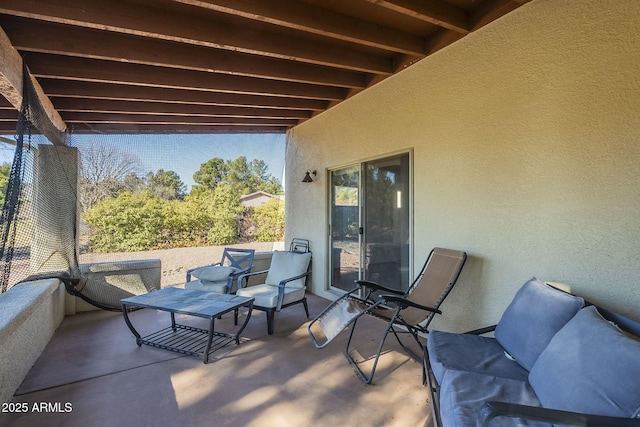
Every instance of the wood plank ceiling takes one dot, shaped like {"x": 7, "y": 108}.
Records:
{"x": 207, "y": 66}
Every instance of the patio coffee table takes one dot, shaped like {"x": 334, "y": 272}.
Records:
{"x": 182, "y": 338}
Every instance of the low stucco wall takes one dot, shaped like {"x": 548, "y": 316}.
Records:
{"x": 114, "y": 281}
{"x": 31, "y": 312}
{"x": 261, "y": 262}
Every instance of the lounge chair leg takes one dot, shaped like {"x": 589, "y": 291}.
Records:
{"x": 363, "y": 377}
{"x": 270, "y": 320}
{"x": 306, "y": 307}
{"x": 410, "y": 352}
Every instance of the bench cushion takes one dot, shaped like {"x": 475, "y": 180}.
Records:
{"x": 472, "y": 353}
{"x": 590, "y": 366}
{"x": 534, "y": 316}
{"x": 463, "y": 393}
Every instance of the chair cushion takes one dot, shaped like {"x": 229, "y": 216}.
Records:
{"x": 472, "y": 353}
{"x": 267, "y": 295}
{"x": 286, "y": 264}
{"x": 534, "y": 316}
{"x": 219, "y": 287}
{"x": 213, "y": 273}
{"x": 463, "y": 393}
{"x": 590, "y": 366}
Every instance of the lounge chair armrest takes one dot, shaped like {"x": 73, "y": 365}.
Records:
{"x": 404, "y": 303}
{"x": 242, "y": 279}
{"x": 284, "y": 282}
{"x": 378, "y": 287}
{"x": 282, "y": 285}
{"x": 490, "y": 410}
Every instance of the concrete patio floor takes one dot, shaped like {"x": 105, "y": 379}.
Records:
{"x": 93, "y": 374}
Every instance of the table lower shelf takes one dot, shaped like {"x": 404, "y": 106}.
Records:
{"x": 187, "y": 340}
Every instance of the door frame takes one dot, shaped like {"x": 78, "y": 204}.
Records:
{"x": 328, "y": 191}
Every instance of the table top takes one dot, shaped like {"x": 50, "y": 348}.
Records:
{"x": 188, "y": 301}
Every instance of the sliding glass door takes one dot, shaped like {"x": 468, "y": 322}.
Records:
{"x": 370, "y": 223}
{"x": 345, "y": 227}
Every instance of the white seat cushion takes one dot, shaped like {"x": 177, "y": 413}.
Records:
{"x": 267, "y": 295}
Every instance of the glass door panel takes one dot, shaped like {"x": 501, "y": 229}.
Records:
{"x": 345, "y": 227}
{"x": 370, "y": 223}
{"x": 386, "y": 215}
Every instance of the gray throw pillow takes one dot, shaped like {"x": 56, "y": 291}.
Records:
{"x": 534, "y": 316}
{"x": 590, "y": 366}
{"x": 214, "y": 273}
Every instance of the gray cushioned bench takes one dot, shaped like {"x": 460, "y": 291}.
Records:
{"x": 552, "y": 360}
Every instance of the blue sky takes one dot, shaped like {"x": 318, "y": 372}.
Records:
{"x": 184, "y": 154}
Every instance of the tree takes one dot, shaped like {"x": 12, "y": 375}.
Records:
{"x": 103, "y": 172}
{"x": 210, "y": 174}
{"x": 133, "y": 183}
{"x": 166, "y": 185}
{"x": 242, "y": 176}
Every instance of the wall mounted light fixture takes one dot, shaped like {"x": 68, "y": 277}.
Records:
{"x": 307, "y": 175}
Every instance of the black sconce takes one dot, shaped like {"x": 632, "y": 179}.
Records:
{"x": 307, "y": 175}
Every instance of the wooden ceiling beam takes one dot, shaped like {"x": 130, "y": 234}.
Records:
{"x": 491, "y": 10}
{"x": 436, "y": 12}
{"x": 144, "y": 119}
{"x": 11, "y": 82}
{"x": 86, "y": 43}
{"x": 65, "y": 105}
{"x": 316, "y": 20}
{"x": 113, "y": 15}
{"x": 8, "y": 115}
{"x": 52, "y": 66}
{"x": 5, "y": 104}
{"x": 102, "y": 128}
{"x": 92, "y": 90}
{"x": 8, "y": 128}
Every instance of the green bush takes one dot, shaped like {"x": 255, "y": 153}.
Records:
{"x": 269, "y": 221}
{"x": 5, "y": 172}
{"x": 142, "y": 221}
{"x": 129, "y": 222}
{"x": 225, "y": 209}
{"x": 186, "y": 223}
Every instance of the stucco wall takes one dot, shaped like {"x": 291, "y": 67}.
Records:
{"x": 526, "y": 139}
{"x": 31, "y": 312}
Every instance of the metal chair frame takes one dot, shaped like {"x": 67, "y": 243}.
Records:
{"x": 389, "y": 307}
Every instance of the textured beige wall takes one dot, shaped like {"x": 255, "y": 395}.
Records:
{"x": 526, "y": 139}
{"x": 31, "y": 312}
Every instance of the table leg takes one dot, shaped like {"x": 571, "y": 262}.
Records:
{"x": 212, "y": 324}
{"x": 244, "y": 325}
{"x": 125, "y": 313}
